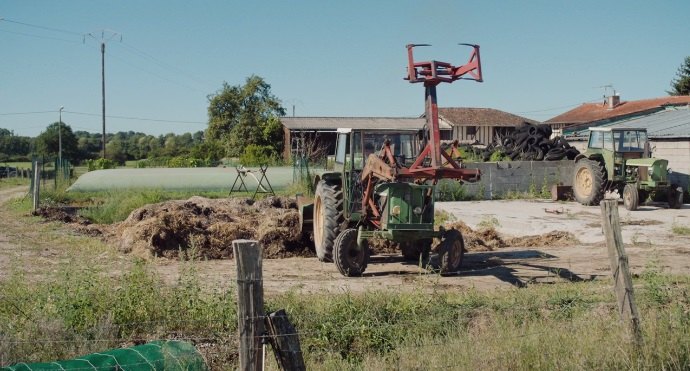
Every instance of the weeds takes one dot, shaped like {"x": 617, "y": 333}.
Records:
{"x": 680, "y": 230}
{"x": 489, "y": 222}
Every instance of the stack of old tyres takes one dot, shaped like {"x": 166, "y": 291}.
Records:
{"x": 533, "y": 143}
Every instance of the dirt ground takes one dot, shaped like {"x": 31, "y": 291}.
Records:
{"x": 510, "y": 243}
{"x": 533, "y": 242}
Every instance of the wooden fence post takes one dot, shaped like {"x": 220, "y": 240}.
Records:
{"x": 250, "y": 303}
{"x": 37, "y": 186}
{"x": 285, "y": 341}
{"x": 622, "y": 281}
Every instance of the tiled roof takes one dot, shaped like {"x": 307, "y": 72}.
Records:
{"x": 459, "y": 116}
{"x": 593, "y": 112}
{"x": 333, "y": 123}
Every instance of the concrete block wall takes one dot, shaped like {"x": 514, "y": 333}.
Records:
{"x": 502, "y": 178}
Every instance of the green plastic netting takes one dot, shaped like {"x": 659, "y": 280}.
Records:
{"x": 156, "y": 355}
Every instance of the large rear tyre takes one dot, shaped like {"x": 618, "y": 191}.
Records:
{"x": 675, "y": 196}
{"x": 328, "y": 218}
{"x": 451, "y": 252}
{"x": 350, "y": 258}
{"x": 413, "y": 250}
{"x": 631, "y": 197}
{"x": 588, "y": 182}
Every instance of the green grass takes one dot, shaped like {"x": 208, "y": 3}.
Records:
{"x": 561, "y": 326}
{"x": 13, "y": 182}
{"x": 22, "y": 165}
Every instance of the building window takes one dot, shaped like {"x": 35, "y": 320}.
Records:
{"x": 471, "y": 130}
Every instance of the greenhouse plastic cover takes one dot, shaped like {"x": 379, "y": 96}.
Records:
{"x": 156, "y": 355}
{"x": 203, "y": 178}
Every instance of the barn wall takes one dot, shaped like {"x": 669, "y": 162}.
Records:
{"x": 677, "y": 152}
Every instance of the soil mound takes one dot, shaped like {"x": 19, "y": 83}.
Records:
{"x": 488, "y": 239}
{"x": 205, "y": 228}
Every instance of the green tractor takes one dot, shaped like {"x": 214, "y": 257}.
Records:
{"x": 620, "y": 159}
{"x": 336, "y": 215}
{"x": 384, "y": 184}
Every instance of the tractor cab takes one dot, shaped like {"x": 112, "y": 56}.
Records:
{"x": 354, "y": 146}
{"x": 622, "y": 150}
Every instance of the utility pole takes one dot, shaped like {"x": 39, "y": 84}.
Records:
{"x": 104, "y": 40}
{"x": 103, "y": 92}
{"x": 60, "y": 137}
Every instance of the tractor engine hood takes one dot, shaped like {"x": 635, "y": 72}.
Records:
{"x": 657, "y": 168}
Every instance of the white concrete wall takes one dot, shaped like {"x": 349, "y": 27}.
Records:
{"x": 677, "y": 153}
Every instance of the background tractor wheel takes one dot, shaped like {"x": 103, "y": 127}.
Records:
{"x": 350, "y": 259}
{"x": 451, "y": 252}
{"x": 412, "y": 251}
{"x": 328, "y": 217}
{"x": 631, "y": 198}
{"x": 675, "y": 196}
{"x": 588, "y": 182}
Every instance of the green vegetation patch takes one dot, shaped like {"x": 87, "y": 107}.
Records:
{"x": 562, "y": 326}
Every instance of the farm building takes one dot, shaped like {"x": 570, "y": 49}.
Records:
{"x": 322, "y": 130}
{"x": 610, "y": 110}
{"x": 479, "y": 124}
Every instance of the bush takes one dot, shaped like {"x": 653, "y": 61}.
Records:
{"x": 100, "y": 164}
{"x": 258, "y": 155}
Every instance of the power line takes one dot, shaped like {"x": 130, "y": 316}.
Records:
{"x": 40, "y": 27}
{"x": 154, "y": 74}
{"x": 163, "y": 63}
{"x": 561, "y": 107}
{"x": 40, "y": 37}
{"x": 139, "y": 118}
{"x": 25, "y": 113}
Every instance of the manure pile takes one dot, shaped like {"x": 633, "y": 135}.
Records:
{"x": 205, "y": 228}
{"x": 488, "y": 239}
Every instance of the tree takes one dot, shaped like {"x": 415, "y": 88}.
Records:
{"x": 12, "y": 147}
{"x": 246, "y": 114}
{"x": 47, "y": 143}
{"x": 681, "y": 84}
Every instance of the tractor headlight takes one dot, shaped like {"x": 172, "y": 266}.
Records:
{"x": 417, "y": 210}
{"x": 395, "y": 211}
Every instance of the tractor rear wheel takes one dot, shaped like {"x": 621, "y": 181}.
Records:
{"x": 412, "y": 250}
{"x": 328, "y": 218}
{"x": 588, "y": 182}
{"x": 675, "y": 196}
{"x": 451, "y": 252}
{"x": 631, "y": 197}
{"x": 350, "y": 258}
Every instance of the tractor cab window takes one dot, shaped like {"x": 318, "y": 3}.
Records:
{"x": 631, "y": 141}
{"x": 596, "y": 139}
{"x": 357, "y": 150}
{"x": 608, "y": 140}
{"x": 341, "y": 150}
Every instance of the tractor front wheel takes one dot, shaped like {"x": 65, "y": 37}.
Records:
{"x": 328, "y": 216}
{"x": 451, "y": 252}
{"x": 350, "y": 258}
{"x": 588, "y": 182}
{"x": 675, "y": 196}
{"x": 631, "y": 198}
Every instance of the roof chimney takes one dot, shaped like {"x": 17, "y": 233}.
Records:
{"x": 613, "y": 101}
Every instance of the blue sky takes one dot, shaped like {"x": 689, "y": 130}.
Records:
{"x": 327, "y": 58}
